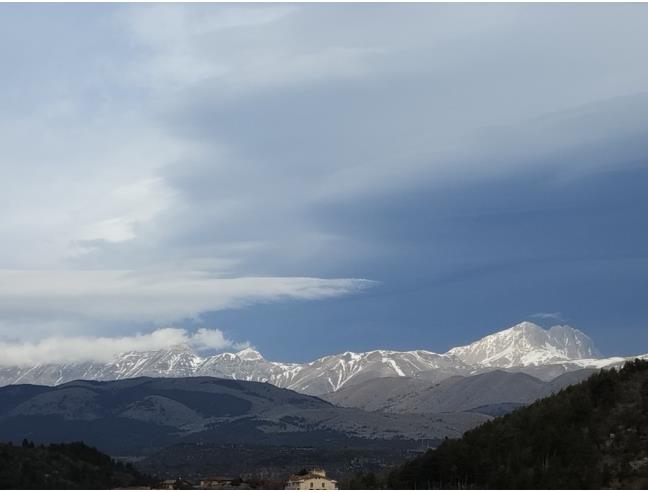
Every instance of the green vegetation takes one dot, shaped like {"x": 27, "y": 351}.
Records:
{"x": 590, "y": 435}
{"x": 62, "y": 466}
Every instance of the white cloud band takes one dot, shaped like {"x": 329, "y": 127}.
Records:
{"x": 161, "y": 296}
{"x": 61, "y": 349}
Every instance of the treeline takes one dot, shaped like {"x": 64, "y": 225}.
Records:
{"x": 63, "y": 466}
{"x": 590, "y": 435}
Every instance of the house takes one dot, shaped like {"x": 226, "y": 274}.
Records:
{"x": 222, "y": 483}
{"x": 313, "y": 480}
{"x": 178, "y": 484}
{"x": 215, "y": 482}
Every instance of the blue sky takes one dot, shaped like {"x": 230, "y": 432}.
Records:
{"x": 311, "y": 179}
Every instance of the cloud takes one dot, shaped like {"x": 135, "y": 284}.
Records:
{"x": 66, "y": 349}
{"x": 198, "y": 46}
{"x": 284, "y": 146}
{"x": 162, "y": 296}
{"x": 548, "y": 316}
{"x": 143, "y": 149}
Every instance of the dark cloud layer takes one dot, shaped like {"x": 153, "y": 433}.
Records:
{"x": 481, "y": 163}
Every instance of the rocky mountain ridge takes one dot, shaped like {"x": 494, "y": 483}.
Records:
{"x": 525, "y": 347}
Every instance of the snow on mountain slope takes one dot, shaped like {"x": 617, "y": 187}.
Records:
{"x": 331, "y": 372}
{"x": 248, "y": 365}
{"x": 177, "y": 361}
{"x": 527, "y": 344}
{"x": 525, "y": 347}
{"x": 335, "y": 371}
{"x": 321, "y": 376}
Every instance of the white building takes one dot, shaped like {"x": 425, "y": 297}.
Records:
{"x": 313, "y": 480}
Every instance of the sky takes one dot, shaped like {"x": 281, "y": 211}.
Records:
{"x": 308, "y": 179}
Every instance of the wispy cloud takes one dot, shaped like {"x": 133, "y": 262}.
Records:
{"x": 162, "y": 296}
{"x": 548, "y": 316}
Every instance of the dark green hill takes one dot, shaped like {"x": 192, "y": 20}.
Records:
{"x": 138, "y": 417}
{"x": 63, "y": 466}
{"x": 590, "y": 435}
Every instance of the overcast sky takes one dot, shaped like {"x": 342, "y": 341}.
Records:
{"x": 309, "y": 179}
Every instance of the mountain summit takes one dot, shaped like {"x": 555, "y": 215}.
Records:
{"x": 526, "y": 347}
{"x": 527, "y": 344}
{"x": 249, "y": 354}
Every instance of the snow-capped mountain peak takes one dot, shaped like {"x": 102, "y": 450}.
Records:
{"x": 577, "y": 345}
{"x": 249, "y": 354}
{"x": 527, "y": 344}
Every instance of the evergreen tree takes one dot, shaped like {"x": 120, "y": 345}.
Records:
{"x": 586, "y": 436}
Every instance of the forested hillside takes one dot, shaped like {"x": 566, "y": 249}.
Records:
{"x": 62, "y": 466}
{"x": 590, "y": 435}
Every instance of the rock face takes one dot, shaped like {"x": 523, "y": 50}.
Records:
{"x": 141, "y": 415}
{"x": 525, "y": 347}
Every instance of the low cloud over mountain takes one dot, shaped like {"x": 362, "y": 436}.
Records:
{"x": 69, "y": 350}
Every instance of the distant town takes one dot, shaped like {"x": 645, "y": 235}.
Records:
{"x": 313, "y": 479}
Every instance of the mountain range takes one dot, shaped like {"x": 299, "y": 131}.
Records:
{"x": 525, "y": 347}
{"x": 142, "y": 415}
{"x": 177, "y": 412}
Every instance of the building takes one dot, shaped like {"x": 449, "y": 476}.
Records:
{"x": 215, "y": 482}
{"x": 167, "y": 485}
{"x": 223, "y": 483}
{"x": 313, "y": 480}
{"x": 178, "y": 484}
